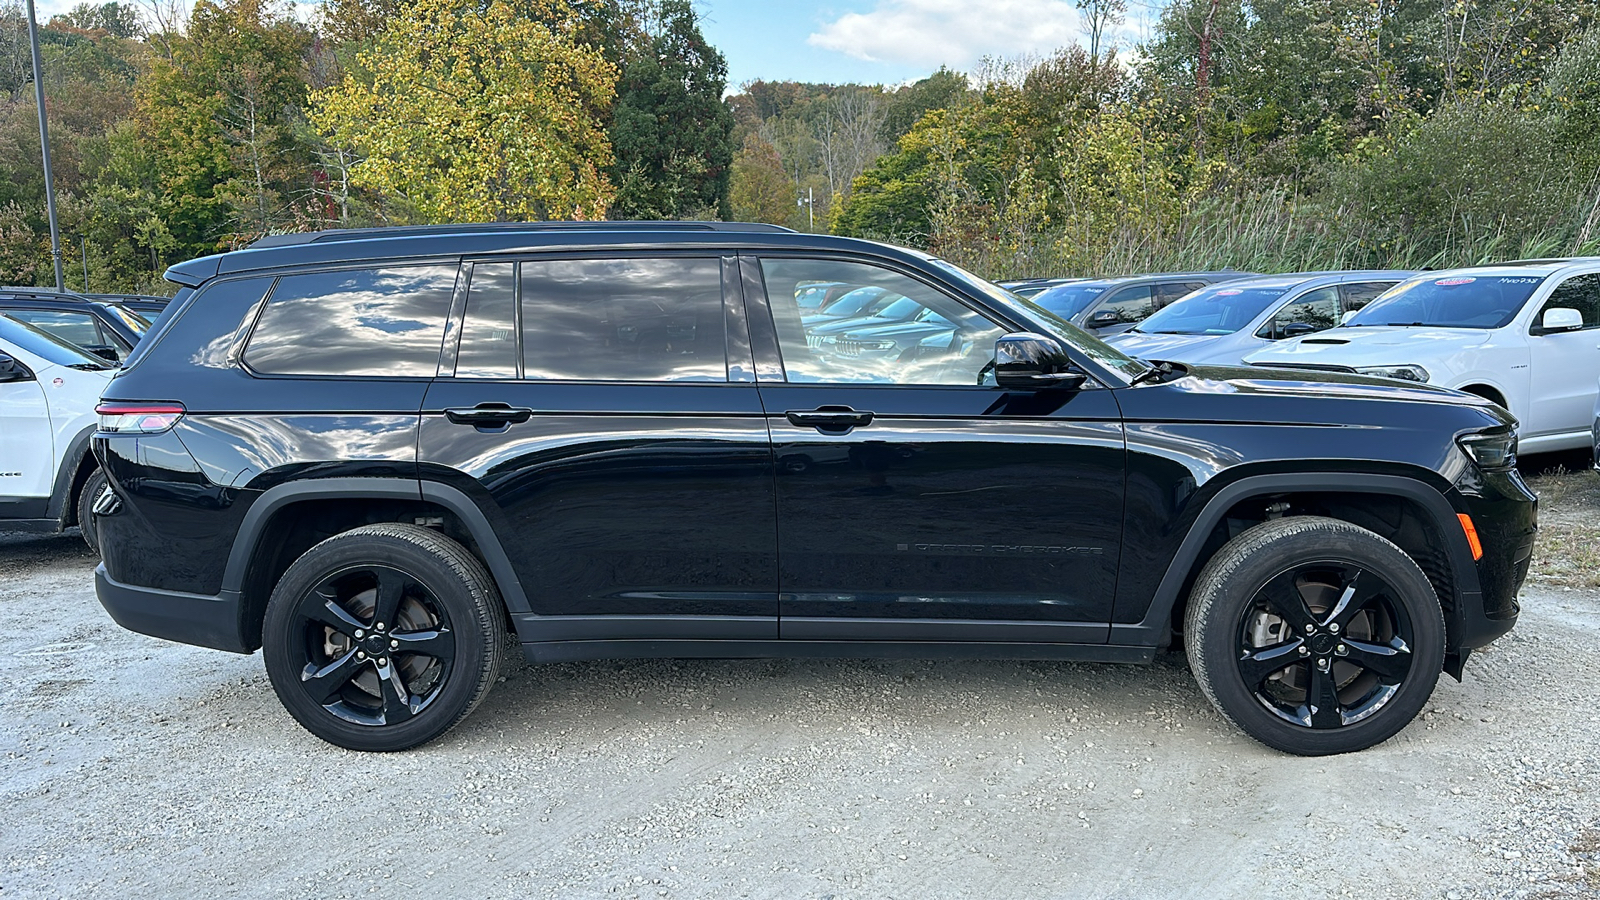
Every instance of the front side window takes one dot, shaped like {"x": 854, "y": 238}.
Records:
{"x": 1314, "y": 311}
{"x": 1128, "y": 306}
{"x": 623, "y": 320}
{"x": 74, "y": 328}
{"x": 932, "y": 339}
{"x": 1580, "y": 292}
{"x": 387, "y": 321}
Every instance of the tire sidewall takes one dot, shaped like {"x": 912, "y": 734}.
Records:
{"x": 283, "y": 632}
{"x": 85, "y": 512}
{"x": 1236, "y": 588}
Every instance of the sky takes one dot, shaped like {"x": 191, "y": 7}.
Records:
{"x": 865, "y": 41}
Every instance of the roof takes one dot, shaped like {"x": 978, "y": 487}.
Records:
{"x": 1332, "y": 276}
{"x": 444, "y": 241}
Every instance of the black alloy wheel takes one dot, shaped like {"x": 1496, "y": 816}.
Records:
{"x": 384, "y": 637}
{"x": 1315, "y": 636}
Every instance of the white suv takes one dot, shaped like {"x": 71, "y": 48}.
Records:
{"x": 48, "y": 392}
{"x": 1525, "y": 335}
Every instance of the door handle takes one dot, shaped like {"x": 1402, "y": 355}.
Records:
{"x": 488, "y": 414}
{"x": 829, "y": 418}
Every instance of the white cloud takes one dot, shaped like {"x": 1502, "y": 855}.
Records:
{"x": 952, "y": 32}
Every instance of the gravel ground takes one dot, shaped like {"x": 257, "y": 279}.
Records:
{"x": 138, "y": 768}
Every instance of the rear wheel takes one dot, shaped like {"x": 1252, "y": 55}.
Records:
{"x": 92, "y": 487}
{"x": 383, "y": 637}
{"x": 1315, "y": 636}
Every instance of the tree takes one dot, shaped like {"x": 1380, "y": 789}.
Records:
{"x": 670, "y": 130}
{"x": 476, "y": 112}
{"x": 761, "y": 189}
{"x": 905, "y": 106}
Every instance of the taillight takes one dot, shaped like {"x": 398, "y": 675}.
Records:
{"x": 137, "y": 418}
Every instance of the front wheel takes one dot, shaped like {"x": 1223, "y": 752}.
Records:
{"x": 1315, "y": 636}
{"x": 93, "y": 486}
{"x": 383, "y": 637}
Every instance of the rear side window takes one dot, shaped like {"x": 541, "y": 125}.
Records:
{"x": 355, "y": 322}
{"x": 488, "y": 346}
{"x": 622, "y": 320}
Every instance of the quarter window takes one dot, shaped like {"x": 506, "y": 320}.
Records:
{"x": 488, "y": 347}
{"x": 909, "y": 334}
{"x": 354, "y": 322}
{"x": 623, "y": 320}
{"x": 1580, "y": 292}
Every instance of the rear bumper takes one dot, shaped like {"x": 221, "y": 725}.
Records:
{"x": 172, "y": 615}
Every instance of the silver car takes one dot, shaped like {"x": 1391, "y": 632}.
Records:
{"x": 1220, "y": 324}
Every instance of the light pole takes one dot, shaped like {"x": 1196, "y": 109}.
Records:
{"x": 44, "y": 146}
{"x": 808, "y": 201}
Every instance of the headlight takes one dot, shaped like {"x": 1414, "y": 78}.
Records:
{"x": 1404, "y": 373}
{"x": 1491, "y": 451}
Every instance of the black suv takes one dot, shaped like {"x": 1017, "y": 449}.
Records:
{"x": 375, "y": 454}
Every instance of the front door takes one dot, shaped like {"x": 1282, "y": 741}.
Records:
{"x": 1566, "y": 364}
{"x": 916, "y": 501}
{"x": 599, "y": 413}
{"x": 26, "y": 446}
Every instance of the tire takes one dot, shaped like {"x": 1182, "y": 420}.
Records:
{"x": 92, "y": 486}
{"x": 1288, "y": 597}
{"x": 363, "y": 683}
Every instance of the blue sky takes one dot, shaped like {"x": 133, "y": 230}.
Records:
{"x": 890, "y": 41}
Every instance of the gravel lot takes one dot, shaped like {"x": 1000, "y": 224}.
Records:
{"x": 138, "y": 768}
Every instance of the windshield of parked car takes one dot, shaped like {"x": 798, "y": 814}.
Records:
{"x": 856, "y": 303}
{"x": 133, "y": 320}
{"x": 1068, "y": 300}
{"x": 899, "y": 311}
{"x": 1450, "y": 301}
{"x": 1219, "y": 309}
{"x": 1056, "y": 325}
{"x": 46, "y": 346}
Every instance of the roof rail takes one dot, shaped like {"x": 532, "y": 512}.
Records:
{"x": 41, "y": 294}
{"x": 361, "y": 234}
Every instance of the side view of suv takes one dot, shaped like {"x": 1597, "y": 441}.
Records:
{"x": 376, "y": 454}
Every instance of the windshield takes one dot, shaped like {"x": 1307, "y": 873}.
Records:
{"x": 1452, "y": 301}
{"x": 855, "y": 303}
{"x": 1058, "y": 327}
{"x": 45, "y": 345}
{"x": 1068, "y": 300}
{"x": 1219, "y": 309}
{"x": 899, "y": 311}
{"x": 133, "y": 320}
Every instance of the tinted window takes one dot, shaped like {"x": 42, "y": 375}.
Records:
{"x": 1167, "y": 293}
{"x": 937, "y": 341}
{"x": 354, "y": 322}
{"x": 74, "y": 328}
{"x": 488, "y": 346}
{"x": 1451, "y": 301}
{"x": 45, "y": 345}
{"x": 623, "y": 320}
{"x": 1361, "y": 293}
{"x": 1580, "y": 292}
{"x": 1129, "y": 305}
{"x": 1068, "y": 300}
{"x": 1313, "y": 311}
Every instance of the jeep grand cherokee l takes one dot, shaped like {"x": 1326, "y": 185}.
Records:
{"x": 376, "y": 454}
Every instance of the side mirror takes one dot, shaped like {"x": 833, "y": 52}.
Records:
{"x": 1296, "y": 329}
{"x": 106, "y": 353}
{"x": 1033, "y": 361}
{"x": 1561, "y": 319}
{"x": 1104, "y": 318}
{"x": 11, "y": 370}
{"x": 1348, "y": 316}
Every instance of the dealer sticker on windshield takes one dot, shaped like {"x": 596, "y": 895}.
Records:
{"x": 1229, "y": 292}
{"x": 1450, "y": 282}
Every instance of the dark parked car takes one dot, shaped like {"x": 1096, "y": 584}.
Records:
{"x": 1108, "y": 306}
{"x": 145, "y": 305}
{"x": 104, "y": 329}
{"x": 371, "y": 454}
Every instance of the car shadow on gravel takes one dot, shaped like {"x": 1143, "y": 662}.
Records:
{"x": 22, "y": 551}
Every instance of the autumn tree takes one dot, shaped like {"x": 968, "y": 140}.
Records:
{"x": 474, "y": 112}
{"x": 762, "y": 191}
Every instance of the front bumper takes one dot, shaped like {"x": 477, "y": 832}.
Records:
{"x": 1506, "y": 514}
{"x": 173, "y": 615}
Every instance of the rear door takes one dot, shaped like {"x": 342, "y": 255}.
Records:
{"x": 916, "y": 501}
{"x": 602, "y": 411}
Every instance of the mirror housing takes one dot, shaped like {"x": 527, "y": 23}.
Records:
{"x": 1561, "y": 318}
{"x": 1104, "y": 318}
{"x": 11, "y": 370}
{"x": 1297, "y": 329}
{"x": 1033, "y": 362}
{"x": 1348, "y": 314}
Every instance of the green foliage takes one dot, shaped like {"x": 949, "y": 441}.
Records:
{"x": 941, "y": 90}
{"x": 762, "y": 191}
{"x": 671, "y": 132}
